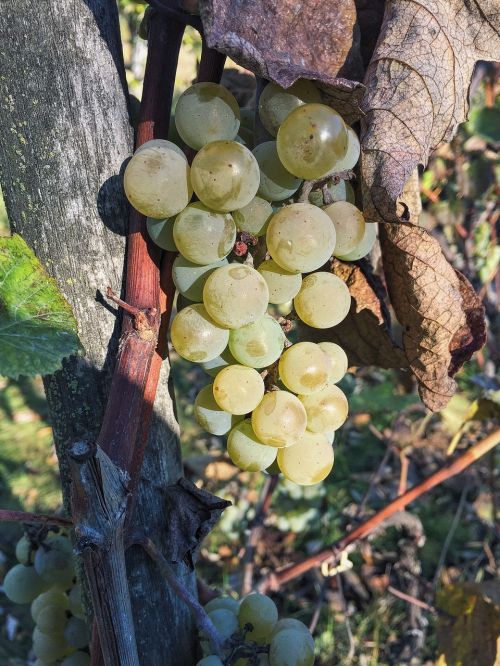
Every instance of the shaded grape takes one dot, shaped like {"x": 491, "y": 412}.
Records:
{"x": 246, "y": 451}
{"x": 22, "y": 584}
{"x": 349, "y": 226}
{"x": 254, "y": 217}
{"x": 260, "y": 612}
{"x": 276, "y": 103}
{"x": 190, "y": 278}
{"x": 283, "y": 285}
{"x": 276, "y": 183}
{"x": 210, "y": 416}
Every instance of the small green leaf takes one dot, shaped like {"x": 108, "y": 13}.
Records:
{"x": 486, "y": 123}
{"x": 37, "y": 326}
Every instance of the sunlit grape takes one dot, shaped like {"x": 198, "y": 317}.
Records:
{"x": 210, "y": 416}
{"x": 291, "y": 648}
{"x": 206, "y": 112}
{"x": 246, "y": 451}
{"x": 304, "y": 368}
{"x": 365, "y": 245}
{"x": 309, "y": 461}
{"x": 351, "y": 157}
{"x": 157, "y": 181}
{"x": 311, "y": 140}
{"x": 275, "y": 102}
{"x": 326, "y": 409}
{"x": 190, "y": 278}
{"x": 254, "y": 217}
{"x": 162, "y": 233}
{"x": 202, "y": 235}
{"x": 338, "y": 359}
{"x": 216, "y": 364}
{"x": 195, "y": 336}
{"x": 77, "y": 659}
{"x": 22, "y": 584}
{"x": 54, "y": 561}
{"x": 337, "y": 191}
{"x": 300, "y": 237}
{"x": 276, "y": 183}
{"x": 261, "y": 613}
{"x": 323, "y": 300}
{"x": 163, "y": 144}
{"x": 349, "y": 226}
{"x": 224, "y": 601}
{"x": 283, "y": 285}
{"x": 235, "y": 295}
{"x": 280, "y": 419}
{"x": 51, "y": 620}
{"x": 259, "y": 344}
{"x": 49, "y": 598}
{"x": 238, "y": 389}
{"x": 76, "y": 633}
{"x": 225, "y": 175}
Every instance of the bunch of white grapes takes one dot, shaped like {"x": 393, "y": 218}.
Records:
{"x": 251, "y": 631}
{"x": 222, "y": 318}
{"x": 45, "y": 577}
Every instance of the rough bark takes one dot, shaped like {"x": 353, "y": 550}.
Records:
{"x": 64, "y": 136}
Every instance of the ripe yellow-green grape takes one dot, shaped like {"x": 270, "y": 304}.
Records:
{"x": 291, "y": 648}
{"x": 161, "y": 143}
{"x": 311, "y": 140}
{"x": 202, "y": 235}
{"x": 296, "y": 625}
{"x": 283, "y": 285}
{"x": 338, "y": 358}
{"x": 49, "y": 648}
{"x": 351, "y": 157}
{"x": 276, "y": 103}
{"x": 254, "y": 217}
{"x": 190, "y": 278}
{"x": 300, "y": 237}
{"x": 246, "y": 451}
{"x": 49, "y": 598}
{"x": 157, "y": 181}
{"x": 235, "y": 295}
{"x": 224, "y": 601}
{"x": 276, "y": 183}
{"x": 206, "y": 112}
{"x": 238, "y": 389}
{"x": 162, "y": 233}
{"x": 225, "y": 175}
{"x": 257, "y": 345}
{"x": 349, "y": 226}
{"x": 365, "y": 245}
{"x": 195, "y": 335}
{"x": 210, "y": 416}
{"x": 309, "y": 461}
{"x": 323, "y": 300}
{"x": 22, "y": 584}
{"x": 261, "y": 613}
{"x": 337, "y": 191}
{"x": 326, "y": 409}
{"x": 304, "y": 368}
{"x": 280, "y": 419}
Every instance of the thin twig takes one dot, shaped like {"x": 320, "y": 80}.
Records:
{"x": 450, "y": 535}
{"x": 23, "y": 517}
{"x": 352, "y": 647}
{"x": 403, "y": 477}
{"x": 411, "y": 600}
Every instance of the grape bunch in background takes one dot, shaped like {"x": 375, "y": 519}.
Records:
{"x": 254, "y": 636}
{"x": 45, "y": 578}
{"x": 252, "y": 261}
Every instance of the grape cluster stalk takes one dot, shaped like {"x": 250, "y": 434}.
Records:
{"x": 252, "y": 258}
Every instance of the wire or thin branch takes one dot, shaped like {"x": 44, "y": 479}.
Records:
{"x": 352, "y": 647}
{"x": 374, "y": 479}
{"x": 450, "y": 535}
{"x": 275, "y": 579}
{"x": 6, "y": 515}
{"x": 403, "y": 477}
{"x": 319, "y": 603}
{"x": 411, "y": 600}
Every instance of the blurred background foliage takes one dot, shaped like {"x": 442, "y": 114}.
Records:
{"x": 448, "y": 538}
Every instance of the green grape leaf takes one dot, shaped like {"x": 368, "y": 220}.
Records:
{"x": 486, "y": 123}
{"x": 37, "y": 326}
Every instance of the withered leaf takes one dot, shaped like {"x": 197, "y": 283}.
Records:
{"x": 417, "y": 86}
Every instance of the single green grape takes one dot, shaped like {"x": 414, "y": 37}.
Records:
{"x": 202, "y": 235}
{"x": 54, "y": 561}
{"x": 349, "y": 226}
{"x": 276, "y": 183}
{"x": 304, "y": 368}
{"x": 280, "y": 419}
{"x": 190, "y": 278}
{"x": 261, "y": 613}
{"x": 225, "y": 176}
{"x": 22, "y": 584}
{"x": 161, "y": 233}
{"x": 338, "y": 359}
{"x": 259, "y": 344}
{"x": 216, "y": 364}
{"x": 337, "y": 191}
{"x": 195, "y": 336}
{"x": 235, "y": 295}
{"x": 283, "y": 285}
{"x": 291, "y": 648}
{"x": 157, "y": 181}
{"x": 246, "y": 451}
{"x": 323, "y": 300}
{"x": 76, "y": 633}
{"x": 49, "y": 648}
{"x": 50, "y": 598}
{"x": 309, "y": 461}
{"x": 365, "y": 245}
{"x": 75, "y": 602}
{"x": 206, "y": 112}
{"x": 275, "y": 102}
{"x": 300, "y": 237}
{"x": 326, "y": 409}
{"x": 210, "y": 416}
{"x": 77, "y": 659}
{"x": 224, "y": 601}
{"x": 24, "y": 551}
{"x": 52, "y": 620}
{"x": 311, "y": 140}
{"x": 296, "y": 625}
{"x": 254, "y": 217}
{"x": 238, "y": 389}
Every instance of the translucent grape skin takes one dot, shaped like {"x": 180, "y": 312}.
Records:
{"x": 300, "y": 237}
{"x": 210, "y": 416}
{"x": 311, "y": 140}
{"x": 291, "y": 648}
{"x": 280, "y": 419}
{"x": 49, "y": 598}
{"x": 49, "y": 648}
{"x": 246, "y": 451}
{"x": 351, "y": 157}
{"x": 225, "y": 176}
{"x": 24, "y": 552}
{"x": 196, "y": 336}
{"x": 254, "y": 217}
{"x": 206, "y": 112}
{"x": 323, "y": 300}
{"x": 259, "y": 344}
{"x": 224, "y": 601}
{"x": 51, "y": 620}
{"x": 326, "y": 409}
{"x": 338, "y": 358}
{"x": 238, "y": 389}
{"x": 216, "y": 364}
{"x": 202, "y": 235}
{"x": 22, "y": 584}
{"x": 261, "y": 612}
{"x": 349, "y": 226}
{"x": 309, "y": 461}
{"x": 304, "y": 368}
{"x": 157, "y": 181}
{"x": 235, "y": 295}
{"x": 275, "y": 102}
{"x": 283, "y": 285}
{"x": 190, "y": 278}
{"x": 161, "y": 233}
{"x": 276, "y": 183}
{"x": 365, "y": 245}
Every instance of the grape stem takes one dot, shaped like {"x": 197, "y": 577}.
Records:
{"x": 24, "y": 517}
{"x": 309, "y": 185}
